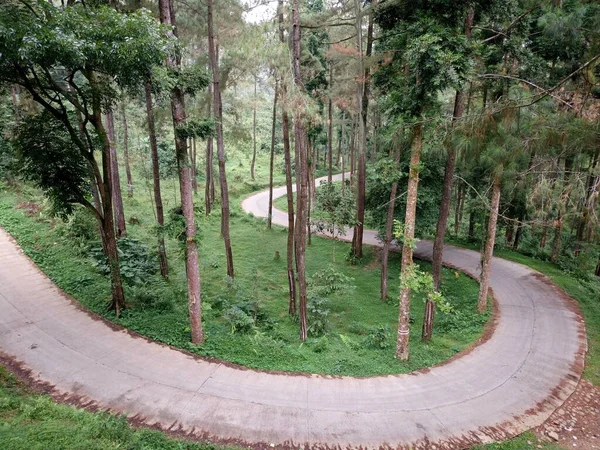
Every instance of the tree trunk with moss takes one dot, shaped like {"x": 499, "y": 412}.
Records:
{"x": 402, "y": 347}
{"x": 192, "y": 269}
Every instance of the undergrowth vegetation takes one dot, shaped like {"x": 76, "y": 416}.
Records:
{"x": 246, "y": 320}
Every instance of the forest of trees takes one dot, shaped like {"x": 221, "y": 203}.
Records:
{"x": 474, "y": 122}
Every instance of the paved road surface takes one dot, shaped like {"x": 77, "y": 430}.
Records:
{"x": 506, "y": 385}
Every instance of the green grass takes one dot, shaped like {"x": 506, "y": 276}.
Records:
{"x": 30, "y": 421}
{"x": 343, "y": 350}
{"x": 526, "y": 441}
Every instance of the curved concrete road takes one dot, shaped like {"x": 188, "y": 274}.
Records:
{"x": 506, "y": 385}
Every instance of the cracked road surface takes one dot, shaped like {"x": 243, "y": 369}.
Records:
{"x": 508, "y": 384}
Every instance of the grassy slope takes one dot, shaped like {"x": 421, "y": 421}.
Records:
{"x": 261, "y": 276}
{"x": 30, "y": 421}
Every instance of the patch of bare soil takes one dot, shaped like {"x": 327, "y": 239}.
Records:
{"x": 30, "y": 208}
{"x": 575, "y": 425}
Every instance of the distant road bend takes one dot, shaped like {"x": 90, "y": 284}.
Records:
{"x": 508, "y": 384}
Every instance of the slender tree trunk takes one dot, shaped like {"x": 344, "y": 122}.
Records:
{"x": 587, "y": 209}
{"x": 302, "y": 173}
{"x": 459, "y": 189}
{"x": 285, "y": 125}
{"x": 218, "y": 114}
{"x": 311, "y": 186}
{"x": 187, "y": 200}
{"x": 115, "y": 179}
{"x": 209, "y": 187}
{"x": 471, "y": 232}
{"x": 427, "y": 331}
{"x": 272, "y": 156}
{"x": 253, "y": 132}
{"x": 438, "y": 243}
{"x": 357, "y": 241}
{"x": 194, "y": 165}
{"x": 488, "y": 251}
{"x": 387, "y": 242}
{"x": 598, "y": 268}
{"x": 105, "y": 192}
{"x": 160, "y": 218}
{"x": 15, "y": 102}
{"x": 519, "y": 232}
{"x": 312, "y": 148}
{"x": 352, "y": 154}
{"x": 363, "y": 105}
{"x": 126, "y": 152}
{"x": 402, "y": 347}
{"x": 544, "y": 236}
{"x": 559, "y": 222}
{"x": 509, "y": 233}
{"x": 461, "y": 210}
{"x": 556, "y": 241}
{"x": 330, "y": 128}
{"x": 341, "y": 139}
{"x": 343, "y": 172}
{"x": 290, "y": 205}
{"x": 442, "y": 224}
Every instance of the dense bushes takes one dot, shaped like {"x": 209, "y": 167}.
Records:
{"x": 136, "y": 260}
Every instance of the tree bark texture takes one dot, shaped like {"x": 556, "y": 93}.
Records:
{"x": 330, "y": 128}
{"x": 488, "y": 251}
{"x": 15, "y": 102}
{"x": 194, "y": 165}
{"x": 218, "y": 115}
{"x": 427, "y": 332}
{"x": 272, "y": 155}
{"x": 285, "y": 125}
{"x": 126, "y": 152}
{"x": 115, "y": 179}
{"x": 387, "y": 242}
{"x": 253, "y": 133}
{"x": 209, "y": 191}
{"x": 302, "y": 174}
{"x": 442, "y": 224}
{"x": 160, "y": 217}
{"x": 187, "y": 200}
{"x": 402, "y": 347}
{"x": 107, "y": 224}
